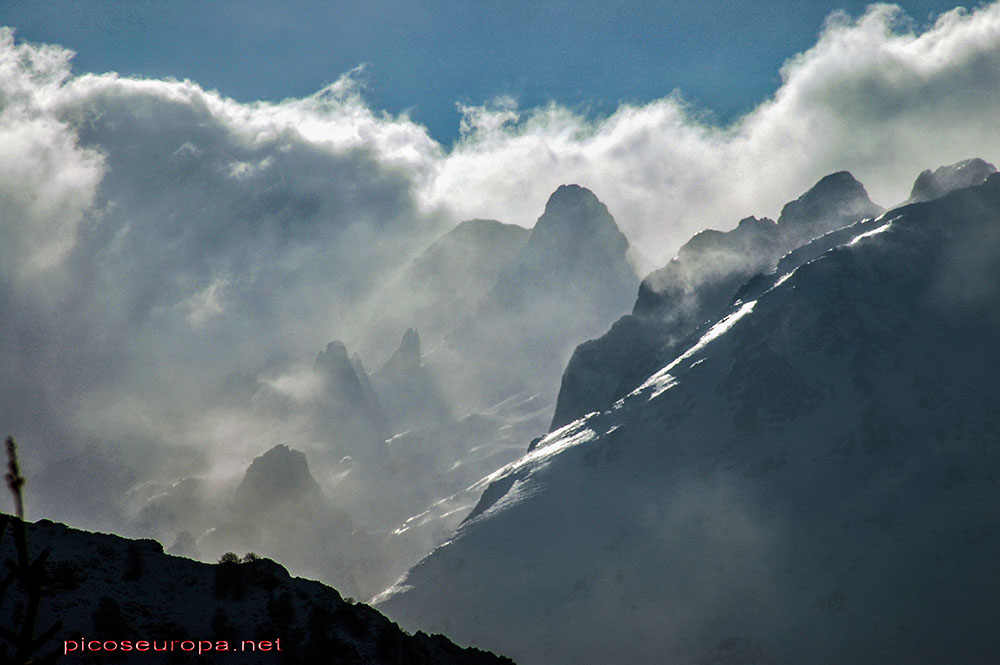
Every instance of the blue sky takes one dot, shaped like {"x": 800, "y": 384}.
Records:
{"x": 423, "y": 57}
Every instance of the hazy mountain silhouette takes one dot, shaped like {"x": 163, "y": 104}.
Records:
{"x": 569, "y": 281}
{"x": 807, "y": 478}
{"x": 441, "y": 285}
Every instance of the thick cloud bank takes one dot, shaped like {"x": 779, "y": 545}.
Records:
{"x": 156, "y": 238}
{"x": 872, "y": 96}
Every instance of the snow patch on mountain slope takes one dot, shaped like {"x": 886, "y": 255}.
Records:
{"x": 663, "y": 380}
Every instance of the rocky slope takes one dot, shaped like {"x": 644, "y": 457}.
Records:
{"x": 966, "y": 173}
{"x": 408, "y": 391}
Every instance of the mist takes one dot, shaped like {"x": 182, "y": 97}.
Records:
{"x": 176, "y": 263}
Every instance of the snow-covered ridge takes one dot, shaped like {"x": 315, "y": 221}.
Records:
{"x": 808, "y": 455}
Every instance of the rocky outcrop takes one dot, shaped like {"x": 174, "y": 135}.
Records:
{"x": 277, "y": 480}
{"x": 408, "y": 392}
{"x": 348, "y": 406}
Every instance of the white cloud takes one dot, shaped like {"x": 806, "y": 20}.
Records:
{"x": 47, "y": 182}
{"x": 871, "y": 97}
{"x": 155, "y": 236}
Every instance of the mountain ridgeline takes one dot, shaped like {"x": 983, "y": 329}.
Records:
{"x": 697, "y": 286}
{"x": 804, "y": 473}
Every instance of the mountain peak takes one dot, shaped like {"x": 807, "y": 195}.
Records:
{"x": 832, "y": 203}
{"x": 568, "y": 282}
{"x": 571, "y": 192}
{"x": 575, "y": 243}
{"x": 409, "y": 393}
{"x": 333, "y": 358}
{"x": 340, "y": 374}
{"x": 410, "y": 345}
{"x": 966, "y": 173}
{"x": 407, "y": 356}
{"x": 279, "y": 475}
{"x": 836, "y": 190}
{"x": 576, "y": 207}
{"x": 574, "y": 220}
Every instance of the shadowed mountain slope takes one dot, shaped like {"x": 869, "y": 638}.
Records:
{"x": 810, "y": 478}
{"x": 697, "y": 285}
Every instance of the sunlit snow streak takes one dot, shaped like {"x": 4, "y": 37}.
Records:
{"x": 783, "y": 279}
{"x": 546, "y": 450}
{"x": 578, "y": 432}
{"x": 868, "y": 234}
{"x": 663, "y": 380}
{"x": 666, "y": 383}
{"x": 554, "y": 442}
{"x": 518, "y": 492}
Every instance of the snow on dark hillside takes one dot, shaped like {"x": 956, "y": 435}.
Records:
{"x": 810, "y": 479}
{"x": 110, "y": 591}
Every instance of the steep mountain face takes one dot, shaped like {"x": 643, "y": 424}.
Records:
{"x": 276, "y": 479}
{"x": 348, "y": 406}
{"x": 832, "y": 203}
{"x": 967, "y": 173}
{"x": 408, "y": 391}
{"x": 809, "y": 478}
{"x": 698, "y": 285}
{"x": 118, "y": 594}
{"x": 569, "y": 281}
